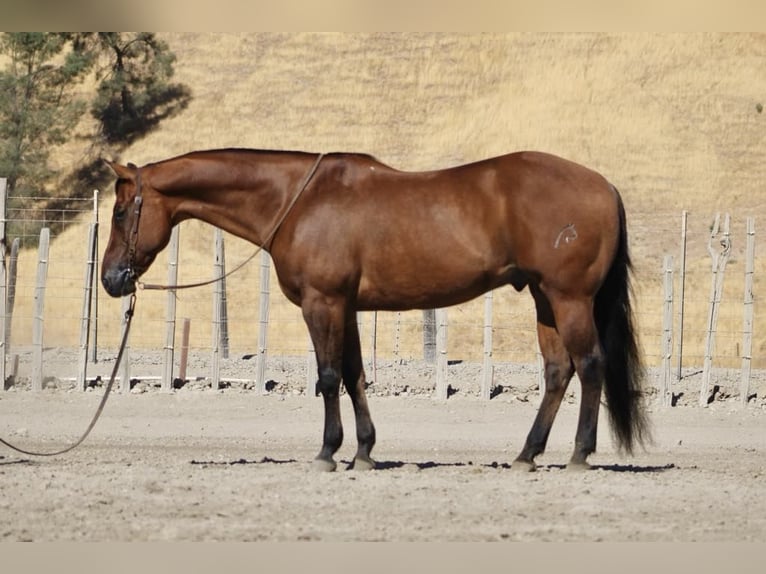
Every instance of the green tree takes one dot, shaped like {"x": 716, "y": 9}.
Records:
{"x": 135, "y": 92}
{"x": 38, "y": 109}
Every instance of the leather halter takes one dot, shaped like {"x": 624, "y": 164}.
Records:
{"x": 138, "y": 202}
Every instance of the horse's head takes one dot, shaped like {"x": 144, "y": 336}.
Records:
{"x": 141, "y": 228}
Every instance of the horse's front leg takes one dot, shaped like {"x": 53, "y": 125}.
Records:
{"x": 325, "y": 318}
{"x": 354, "y": 381}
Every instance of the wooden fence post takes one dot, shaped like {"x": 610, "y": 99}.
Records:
{"x": 218, "y": 272}
{"x": 429, "y": 335}
{"x": 374, "y": 346}
{"x": 667, "y": 334}
{"x": 720, "y": 258}
{"x": 3, "y": 282}
{"x": 442, "y": 388}
{"x": 96, "y": 284}
{"x": 183, "y": 362}
{"x": 125, "y": 366}
{"x": 10, "y": 299}
{"x": 87, "y": 307}
{"x": 681, "y": 288}
{"x": 13, "y": 271}
{"x": 39, "y": 305}
{"x": 223, "y": 302}
{"x": 263, "y": 324}
{"x": 747, "y": 329}
{"x": 311, "y": 369}
{"x": 170, "y": 315}
{"x": 487, "y": 370}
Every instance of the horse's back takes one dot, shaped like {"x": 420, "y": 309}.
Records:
{"x": 436, "y": 238}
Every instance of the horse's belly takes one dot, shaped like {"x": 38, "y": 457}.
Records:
{"x": 428, "y": 287}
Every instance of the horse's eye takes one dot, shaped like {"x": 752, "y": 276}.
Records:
{"x": 119, "y": 213}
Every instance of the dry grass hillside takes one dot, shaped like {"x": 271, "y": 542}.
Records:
{"x": 674, "y": 121}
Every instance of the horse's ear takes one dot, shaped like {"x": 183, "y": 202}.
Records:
{"x": 121, "y": 171}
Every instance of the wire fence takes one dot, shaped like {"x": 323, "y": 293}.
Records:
{"x": 388, "y": 338}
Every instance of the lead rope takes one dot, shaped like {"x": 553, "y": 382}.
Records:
{"x": 132, "y": 306}
{"x": 267, "y": 241}
{"x": 129, "y": 319}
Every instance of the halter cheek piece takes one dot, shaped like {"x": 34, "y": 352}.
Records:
{"x": 138, "y": 201}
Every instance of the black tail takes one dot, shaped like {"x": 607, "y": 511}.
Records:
{"x": 624, "y": 372}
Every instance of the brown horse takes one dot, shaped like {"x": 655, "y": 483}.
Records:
{"x": 348, "y": 233}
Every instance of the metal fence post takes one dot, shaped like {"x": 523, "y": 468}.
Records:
{"x": 747, "y": 328}
{"x": 667, "y": 333}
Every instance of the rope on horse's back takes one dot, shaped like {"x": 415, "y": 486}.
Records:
{"x": 107, "y": 391}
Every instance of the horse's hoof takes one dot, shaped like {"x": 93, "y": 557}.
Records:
{"x": 323, "y": 465}
{"x": 523, "y": 466}
{"x": 362, "y": 463}
{"x": 578, "y": 466}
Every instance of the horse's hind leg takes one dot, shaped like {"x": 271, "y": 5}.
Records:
{"x": 576, "y": 324}
{"x": 558, "y": 372}
{"x": 354, "y": 381}
{"x": 589, "y": 363}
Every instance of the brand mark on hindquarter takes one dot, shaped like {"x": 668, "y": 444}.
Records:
{"x": 566, "y": 235}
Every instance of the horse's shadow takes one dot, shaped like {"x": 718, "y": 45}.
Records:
{"x": 632, "y": 468}
{"x": 637, "y": 469}
{"x": 398, "y": 464}
{"x": 264, "y": 460}
{"x": 429, "y": 465}
{"x": 4, "y": 462}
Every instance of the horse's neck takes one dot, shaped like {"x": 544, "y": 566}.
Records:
{"x": 245, "y": 209}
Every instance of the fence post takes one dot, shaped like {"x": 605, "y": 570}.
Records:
{"x": 487, "y": 370}
{"x": 667, "y": 334}
{"x": 263, "y": 324}
{"x": 218, "y": 271}
{"x": 10, "y": 300}
{"x": 681, "y": 288}
{"x": 170, "y": 315}
{"x": 311, "y": 369}
{"x": 747, "y": 329}
{"x": 397, "y": 335}
{"x": 125, "y": 366}
{"x": 13, "y": 271}
{"x": 442, "y": 391}
{"x": 85, "y": 327}
{"x": 3, "y": 282}
{"x": 184, "y": 350}
{"x": 222, "y": 300}
{"x": 374, "y": 346}
{"x": 96, "y": 283}
{"x": 429, "y": 335}
{"x": 39, "y": 303}
{"x": 719, "y": 266}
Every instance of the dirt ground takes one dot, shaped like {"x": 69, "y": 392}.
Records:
{"x": 232, "y": 465}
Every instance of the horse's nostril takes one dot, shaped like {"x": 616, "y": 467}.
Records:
{"x": 118, "y": 283}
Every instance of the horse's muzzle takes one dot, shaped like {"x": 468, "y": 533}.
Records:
{"x": 118, "y": 282}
